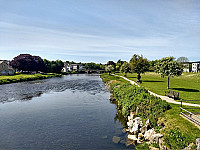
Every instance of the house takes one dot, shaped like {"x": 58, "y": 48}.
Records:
{"x": 186, "y": 66}
{"x": 5, "y": 69}
{"x": 72, "y": 67}
{"x": 195, "y": 66}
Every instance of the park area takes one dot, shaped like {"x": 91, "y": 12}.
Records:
{"x": 188, "y": 84}
{"x": 176, "y": 127}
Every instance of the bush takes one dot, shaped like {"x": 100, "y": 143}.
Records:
{"x": 176, "y": 140}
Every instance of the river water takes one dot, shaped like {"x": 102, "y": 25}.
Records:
{"x": 71, "y": 112}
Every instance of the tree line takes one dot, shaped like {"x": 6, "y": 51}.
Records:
{"x": 167, "y": 67}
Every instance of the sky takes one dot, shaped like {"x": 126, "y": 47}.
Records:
{"x": 100, "y": 30}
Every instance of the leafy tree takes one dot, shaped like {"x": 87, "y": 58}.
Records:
{"x": 182, "y": 59}
{"x": 53, "y": 66}
{"x": 109, "y": 68}
{"x": 152, "y": 65}
{"x": 139, "y": 65}
{"x": 92, "y": 66}
{"x": 125, "y": 68}
{"x": 167, "y": 67}
{"x": 27, "y": 62}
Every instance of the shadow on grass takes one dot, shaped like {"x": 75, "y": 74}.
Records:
{"x": 151, "y": 81}
{"x": 131, "y": 77}
{"x": 185, "y": 90}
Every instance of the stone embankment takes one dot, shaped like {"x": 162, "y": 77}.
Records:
{"x": 139, "y": 132}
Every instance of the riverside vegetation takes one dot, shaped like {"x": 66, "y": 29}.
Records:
{"x": 26, "y": 77}
{"x": 164, "y": 117}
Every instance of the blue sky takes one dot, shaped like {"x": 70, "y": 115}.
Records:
{"x": 100, "y": 30}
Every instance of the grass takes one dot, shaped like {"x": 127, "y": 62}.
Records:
{"x": 173, "y": 121}
{"x": 25, "y": 77}
{"x": 178, "y": 132}
{"x": 188, "y": 84}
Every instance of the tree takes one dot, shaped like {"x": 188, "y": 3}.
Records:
{"x": 27, "y": 62}
{"x": 109, "y": 68}
{"x": 167, "y": 67}
{"x": 182, "y": 59}
{"x": 53, "y": 66}
{"x": 139, "y": 65}
{"x": 125, "y": 68}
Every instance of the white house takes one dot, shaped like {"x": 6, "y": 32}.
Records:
{"x": 5, "y": 69}
{"x": 72, "y": 67}
{"x": 186, "y": 66}
{"x": 195, "y": 66}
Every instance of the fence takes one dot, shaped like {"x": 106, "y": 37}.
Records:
{"x": 194, "y": 116}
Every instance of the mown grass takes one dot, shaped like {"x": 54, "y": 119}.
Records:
{"x": 188, "y": 84}
{"x": 178, "y": 132}
{"x": 173, "y": 121}
{"x": 25, "y": 77}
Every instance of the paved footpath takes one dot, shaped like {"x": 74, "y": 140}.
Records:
{"x": 169, "y": 100}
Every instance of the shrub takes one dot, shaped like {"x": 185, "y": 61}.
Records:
{"x": 175, "y": 139}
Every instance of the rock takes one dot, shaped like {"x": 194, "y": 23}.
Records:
{"x": 116, "y": 139}
{"x": 137, "y": 111}
{"x": 155, "y": 137}
{"x": 140, "y": 138}
{"x": 132, "y": 115}
{"x": 143, "y": 129}
{"x": 161, "y": 144}
{"x": 149, "y": 133}
{"x": 198, "y": 143}
{"x": 128, "y": 143}
{"x": 132, "y": 137}
{"x": 147, "y": 124}
{"x": 112, "y": 98}
{"x": 134, "y": 124}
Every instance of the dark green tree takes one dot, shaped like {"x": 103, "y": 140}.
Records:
{"x": 139, "y": 65}
{"x": 168, "y": 67}
{"x": 125, "y": 68}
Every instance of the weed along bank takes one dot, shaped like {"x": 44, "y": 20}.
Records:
{"x": 150, "y": 121}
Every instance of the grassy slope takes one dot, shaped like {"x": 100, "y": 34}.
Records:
{"x": 188, "y": 85}
{"x": 171, "y": 118}
{"x": 25, "y": 77}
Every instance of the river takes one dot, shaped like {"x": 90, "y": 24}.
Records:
{"x": 70, "y": 112}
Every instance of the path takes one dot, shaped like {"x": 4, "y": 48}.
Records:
{"x": 169, "y": 100}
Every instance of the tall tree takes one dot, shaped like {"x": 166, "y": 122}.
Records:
{"x": 168, "y": 67}
{"x": 139, "y": 65}
{"x": 182, "y": 59}
{"x": 109, "y": 68}
{"x": 27, "y": 62}
{"x": 125, "y": 68}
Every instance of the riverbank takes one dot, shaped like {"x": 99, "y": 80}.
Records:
{"x": 26, "y": 77}
{"x": 178, "y": 133}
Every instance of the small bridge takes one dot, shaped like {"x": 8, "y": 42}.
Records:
{"x": 95, "y": 71}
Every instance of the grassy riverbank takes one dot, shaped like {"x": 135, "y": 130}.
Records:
{"x": 188, "y": 85}
{"x": 25, "y": 77}
{"x": 178, "y": 132}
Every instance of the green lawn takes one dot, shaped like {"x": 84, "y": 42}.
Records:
{"x": 25, "y": 77}
{"x": 188, "y": 84}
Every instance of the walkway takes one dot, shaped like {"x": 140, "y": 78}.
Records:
{"x": 169, "y": 100}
